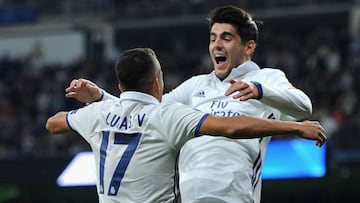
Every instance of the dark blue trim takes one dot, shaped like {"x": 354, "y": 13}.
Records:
{"x": 199, "y": 124}
{"x": 260, "y": 89}
{"x": 67, "y": 120}
{"x": 257, "y": 170}
{"x": 102, "y": 96}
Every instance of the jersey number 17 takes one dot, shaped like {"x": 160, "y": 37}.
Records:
{"x": 132, "y": 140}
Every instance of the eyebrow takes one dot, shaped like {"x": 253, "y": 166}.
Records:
{"x": 222, "y": 34}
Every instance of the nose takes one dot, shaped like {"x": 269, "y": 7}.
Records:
{"x": 217, "y": 44}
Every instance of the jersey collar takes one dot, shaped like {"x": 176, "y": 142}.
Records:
{"x": 242, "y": 70}
{"x": 138, "y": 96}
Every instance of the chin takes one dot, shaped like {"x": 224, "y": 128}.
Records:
{"x": 221, "y": 74}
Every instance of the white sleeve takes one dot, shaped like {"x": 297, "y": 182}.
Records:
{"x": 81, "y": 121}
{"x": 181, "y": 122}
{"x": 107, "y": 96}
{"x": 181, "y": 93}
{"x": 279, "y": 93}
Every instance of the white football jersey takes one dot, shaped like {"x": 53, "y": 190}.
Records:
{"x": 218, "y": 169}
{"x": 135, "y": 141}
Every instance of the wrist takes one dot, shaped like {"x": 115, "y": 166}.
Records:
{"x": 97, "y": 100}
{"x": 101, "y": 96}
{"x": 259, "y": 88}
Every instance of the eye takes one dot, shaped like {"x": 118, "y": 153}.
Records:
{"x": 228, "y": 38}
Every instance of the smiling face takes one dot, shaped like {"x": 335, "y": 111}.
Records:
{"x": 227, "y": 50}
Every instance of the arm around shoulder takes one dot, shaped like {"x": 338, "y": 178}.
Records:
{"x": 242, "y": 127}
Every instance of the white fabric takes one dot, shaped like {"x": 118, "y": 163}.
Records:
{"x": 138, "y": 133}
{"x": 217, "y": 169}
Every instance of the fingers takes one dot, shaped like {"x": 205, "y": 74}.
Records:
{"x": 234, "y": 87}
{"x": 71, "y": 86}
{"x": 319, "y": 144}
{"x": 242, "y": 90}
{"x": 231, "y": 89}
{"x": 232, "y": 81}
{"x": 71, "y": 95}
{"x": 316, "y": 132}
{"x": 75, "y": 85}
{"x": 321, "y": 137}
{"x": 240, "y": 87}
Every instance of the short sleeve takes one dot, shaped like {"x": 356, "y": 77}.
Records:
{"x": 180, "y": 122}
{"x": 82, "y": 121}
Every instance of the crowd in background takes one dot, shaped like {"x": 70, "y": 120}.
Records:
{"x": 112, "y": 10}
{"x": 324, "y": 62}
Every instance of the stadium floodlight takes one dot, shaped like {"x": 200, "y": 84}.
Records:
{"x": 80, "y": 171}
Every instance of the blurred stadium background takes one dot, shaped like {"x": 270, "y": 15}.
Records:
{"x": 45, "y": 44}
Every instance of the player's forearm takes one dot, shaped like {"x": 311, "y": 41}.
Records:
{"x": 244, "y": 127}
{"x": 251, "y": 127}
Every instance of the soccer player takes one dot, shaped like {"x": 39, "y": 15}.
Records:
{"x": 207, "y": 172}
{"x": 218, "y": 169}
{"x": 135, "y": 139}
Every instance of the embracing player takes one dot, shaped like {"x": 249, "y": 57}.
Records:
{"x": 208, "y": 173}
{"x": 135, "y": 138}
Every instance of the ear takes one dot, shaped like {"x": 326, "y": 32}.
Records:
{"x": 156, "y": 88}
{"x": 120, "y": 88}
{"x": 250, "y": 47}
{"x": 156, "y": 84}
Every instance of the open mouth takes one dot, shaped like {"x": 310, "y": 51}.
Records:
{"x": 220, "y": 59}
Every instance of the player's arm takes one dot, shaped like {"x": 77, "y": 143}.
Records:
{"x": 277, "y": 92}
{"x": 251, "y": 127}
{"x": 57, "y": 123}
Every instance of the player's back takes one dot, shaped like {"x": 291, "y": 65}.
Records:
{"x": 135, "y": 142}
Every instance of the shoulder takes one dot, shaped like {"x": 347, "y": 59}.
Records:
{"x": 101, "y": 105}
{"x": 271, "y": 74}
{"x": 271, "y": 71}
{"x": 198, "y": 79}
{"x": 173, "y": 109}
{"x": 169, "y": 107}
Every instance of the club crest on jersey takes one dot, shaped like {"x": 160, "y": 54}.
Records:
{"x": 200, "y": 93}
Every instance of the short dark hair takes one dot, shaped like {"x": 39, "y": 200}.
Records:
{"x": 246, "y": 27}
{"x": 135, "y": 69}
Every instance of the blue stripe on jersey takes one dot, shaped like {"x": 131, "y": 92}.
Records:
{"x": 200, "y": 123}
{"x": 104, "y": 144}
{"x": 258, "y": 162}
{"x": 256, "y": 169}
{"x": 176, "y": 188}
